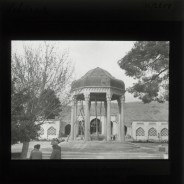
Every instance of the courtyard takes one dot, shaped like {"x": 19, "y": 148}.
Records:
{"x": 96, "y": 109}
{"x": 99, "y": 150}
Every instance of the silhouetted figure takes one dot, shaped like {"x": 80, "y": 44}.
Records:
{"x": 56, "y": 152}
{"x": 36, "y": 153}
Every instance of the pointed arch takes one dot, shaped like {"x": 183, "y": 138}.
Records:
{"x": 164, "y": 132}
{"x": 51, "y": 131}
{"x": 152, "y": 132}
{"x": 67, "y": 129}
{"x": 140, "y": 132}
{"x": 93, "y": 126}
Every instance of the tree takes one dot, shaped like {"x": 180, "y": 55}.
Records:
{"x": 19, "y": 118}
{"x": 40, "y": 80}
{"x": 50, "y": 100}
{"x": 148, "y": 63}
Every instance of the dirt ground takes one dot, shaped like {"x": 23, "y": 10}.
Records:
{"x": 96, "y": 147}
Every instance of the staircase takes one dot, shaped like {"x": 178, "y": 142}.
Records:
{"x": 103, "y": 150}
{"x": 81, "y": 155}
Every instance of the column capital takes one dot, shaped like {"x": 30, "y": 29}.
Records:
{"x": 108, "y": 96}
{"x": 86, "y": 96}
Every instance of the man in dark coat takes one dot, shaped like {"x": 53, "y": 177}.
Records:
{"x": 56, "y": 153}
{"x": 36, "y": 154}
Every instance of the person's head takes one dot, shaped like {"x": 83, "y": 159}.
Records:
{"x": 37, "y": 146}
{"x": 54, "y": 142}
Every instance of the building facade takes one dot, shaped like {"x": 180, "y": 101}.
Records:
{"x": 98, "y": 108}
{"x": 49, "y": 129}
{"x": 138, "y": 130}
{"x": 145, "y": 130}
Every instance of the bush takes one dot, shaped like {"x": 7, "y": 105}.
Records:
{"x": 140, "y": 141}
{"x": 48, "y": 140}
{"x": 61, "y": 134}
{"x": 97, "y": 138}
{"x": 150, "y": 141}
{"x": 16, "y": 155}
{"x": 128, "y": 136}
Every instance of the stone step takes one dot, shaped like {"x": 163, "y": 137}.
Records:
{"x": 107, "y": 156}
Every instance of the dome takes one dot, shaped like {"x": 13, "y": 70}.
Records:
{"x": 98, "y": 78}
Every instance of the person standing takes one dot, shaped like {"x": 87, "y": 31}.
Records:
{"x": 56, "y": 152}
{"x": 36, "y": 153}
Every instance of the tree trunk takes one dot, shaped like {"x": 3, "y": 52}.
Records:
{"x": 25, "y": 148}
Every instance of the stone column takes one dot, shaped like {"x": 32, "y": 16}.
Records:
{"x": 89, "y": 105}
{"x": 87, "y": 117}
{"x": 119, "y": 118}
{"x": 105, "y": 120}
{"x": 121, "y": 123}
{"x": 108, "y": 96}
{"x": 75, "y": 120}
{"x": 72, "y": 119}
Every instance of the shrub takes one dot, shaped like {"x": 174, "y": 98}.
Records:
{"x": 98, "y": 138}
{"x": 128, "y": 136}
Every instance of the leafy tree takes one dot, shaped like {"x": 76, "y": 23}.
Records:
{"x": 148, "y": 63}
{"x": 39, "y": 77}
{"x": 49, "y": 101}
{"x": 21, "y": 128}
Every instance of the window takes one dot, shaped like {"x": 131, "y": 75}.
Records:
{"x": 51, "y": 131}
{"x": 140, "y": 132}
{"x": 152, "y": 132}
{"x": 164, "y": 132}
{"x": 41, "y": 131}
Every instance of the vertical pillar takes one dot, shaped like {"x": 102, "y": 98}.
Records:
{"x": 72, "y": 119}
{"x": 105, "y": 120}
{"x": 75, "y": 119}
{"x": 119, "y": 118}
{"x": 108, "y": 96}
{"x": 121, "y": 124}
{"x": 89, "y": 105}
{"x": 87, "y": 117}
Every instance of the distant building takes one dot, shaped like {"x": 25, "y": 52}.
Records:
{"x": 105, "y": 114}
{"x": 153, "y": 130}
{"x": 142, "y": 121}
{"x": 49, "y": 129}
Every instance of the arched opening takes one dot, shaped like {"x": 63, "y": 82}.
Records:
{"x": 164, "y": 132}
{"x": 67, "y": 129}
{"x": 152, "y": 132}
{"x": 111, "y": 128}
{"x": 95, "y": 126}
{"x": 51, "y": 131}
{"x": 125, "y": 129}
{"x": 140, "y": 132}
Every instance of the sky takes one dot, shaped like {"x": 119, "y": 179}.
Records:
{"x": 87, "y": 55}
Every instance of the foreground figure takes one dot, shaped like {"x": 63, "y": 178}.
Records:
{"x": 56, "y": 153}
{"x": 36, "y": 153}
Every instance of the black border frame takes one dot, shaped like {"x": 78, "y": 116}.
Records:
{"x": 18, "y": 27}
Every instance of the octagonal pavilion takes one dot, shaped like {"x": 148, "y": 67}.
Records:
{"x": 98, "y": 85}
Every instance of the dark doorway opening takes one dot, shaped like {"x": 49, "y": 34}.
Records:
{"x": 95, "y": 126}
{"x": 125, "y": 129}
{"x": 67, "y": 129}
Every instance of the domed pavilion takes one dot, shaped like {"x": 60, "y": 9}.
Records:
{"x": 98, "y": 85}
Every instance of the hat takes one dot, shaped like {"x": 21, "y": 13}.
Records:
{"x": 54, "y": 142}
